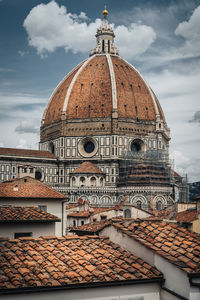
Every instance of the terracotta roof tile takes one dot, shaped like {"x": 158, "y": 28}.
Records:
{"x": 52, "y": 261}
{"x": 187, "y": 216}
{"x": 87, "y": 167}
{"x": 24, "y": 214}
{"x": 25, "y": 152}
{"x": 183, "y": 250}
{"x": 27, "y": 187}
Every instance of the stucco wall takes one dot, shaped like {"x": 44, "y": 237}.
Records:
{"x": 126, "y": 242}
{"x": 38, "y": 229}
{"x": 175, "y": 279}
{"x": 149, "y": 291}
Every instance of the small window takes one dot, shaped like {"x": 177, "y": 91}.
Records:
{"x": 31, "y": 170}
{"x": 24, "y": 170}
{"x": 74, "y": 222}
{"x": 22, "y": 234}
{"x": 13, "y": 169}
{"x": 82, "y": 223}
{"x": 103, "y": 218}
{"x": 42, "y": 207}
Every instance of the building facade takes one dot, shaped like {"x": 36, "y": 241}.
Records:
{"x": 102, "y": 112}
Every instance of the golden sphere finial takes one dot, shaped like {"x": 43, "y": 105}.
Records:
{"x": 105, "y": 12}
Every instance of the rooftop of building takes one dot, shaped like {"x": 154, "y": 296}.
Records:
{"x": 26, "y": 152}
{"x": 87, "y": 167}
{"x": 169, "y": 240}
{"x": 187, "y": 216}
{"x": 15, "y": 214}
{"x": 27, "y": 187}
{"x": 67, "y": 262}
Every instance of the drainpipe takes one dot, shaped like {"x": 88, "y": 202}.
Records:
{"x": 63, "y": 210}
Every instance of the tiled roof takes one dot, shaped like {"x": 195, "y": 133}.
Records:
{"x": 25, "y": 214}
{"x": 92, "y": 211}
{"x": 80, "y": 214}
{"x": 67, "y": 261}
{"x": 160, "y": 215}
{"x": 27, "y": 187}
{"x": 87, "y": 167}
{"x": 187, "y": 216}
{"x": 174, "y": 243}
{"x": 26, "y": 152}
{"x": 95, "y": 227}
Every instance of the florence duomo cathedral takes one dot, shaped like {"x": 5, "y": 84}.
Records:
{"x": 103, "y": 136}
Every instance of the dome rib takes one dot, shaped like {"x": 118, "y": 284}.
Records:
{"x": 64, "y": 110}
{"x": 113, "y": 83}
{"x": 56, "y": 89}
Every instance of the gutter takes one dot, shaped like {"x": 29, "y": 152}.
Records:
{"x": 81, "y": 285}
{"x": 174, "y": 293}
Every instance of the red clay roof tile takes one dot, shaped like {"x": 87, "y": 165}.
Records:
{"x": 50, "y": 261}
{"x": 26, "y": 152}
{"x": 27, "y": 187}
{"x": 183, "y": 250}
{"x": 24, "y": 214}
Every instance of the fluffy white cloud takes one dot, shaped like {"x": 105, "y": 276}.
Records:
{"x": 190, "y": 31}
{"x": 50, "y": 26}
{"x": 134, "y": 40}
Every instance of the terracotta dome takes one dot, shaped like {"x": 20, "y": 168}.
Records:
{"x": 97, "y": 87}
{"x": 102, "y": 89}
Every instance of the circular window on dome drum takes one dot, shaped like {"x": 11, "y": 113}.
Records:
{"x": 87, "y": 147}
{"x": 39, "y": 175}
{"x": 136, "y": 145}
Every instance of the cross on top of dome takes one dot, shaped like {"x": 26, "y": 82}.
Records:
{"x": 105, "y": 38}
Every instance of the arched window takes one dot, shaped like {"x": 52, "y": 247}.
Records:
{"x": 159, "y": 205}
{"x": 93, "y": 181}
{"x": 103, "y": 46}
{"x": 127, "y": 213}
{"x": 51, "y": 147}
{"x": 139, "y": 204}
{"x": 82, "y": 181}
{"x": 73, "y": 181}
{"x": 108, "y": 46}
{"x": 101, "y": 181}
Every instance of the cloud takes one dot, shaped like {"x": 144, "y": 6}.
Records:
{"x": 196, "y": 117}
{"x": 134, "y": 40}
{"x": 23, "y": 144}
{"x": 28, "y": 127}
{"x": 22, "y": 53}
{"x": 185, "y": 165}
{"x": 50, "y": 26}
{"x": 190, "y": 31}
{"x": 6, "y": 70}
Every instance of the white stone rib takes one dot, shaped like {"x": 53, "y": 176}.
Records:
{"x": 113, "y": 82}
{"x": 47, "y": 106}
{"x": 73, "y": 82}
{"x": 148, "y": 87}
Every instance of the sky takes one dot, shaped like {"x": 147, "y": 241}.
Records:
{"x": 41, "y": 41}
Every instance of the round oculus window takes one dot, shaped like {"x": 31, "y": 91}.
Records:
{"x": 89, "y": 147}
{"x": 135, "y": 147}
